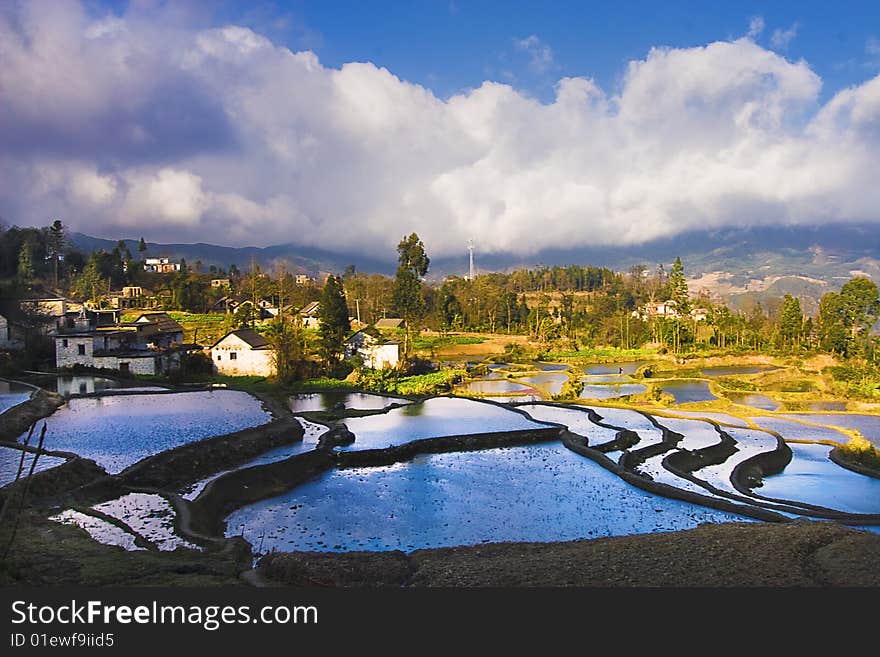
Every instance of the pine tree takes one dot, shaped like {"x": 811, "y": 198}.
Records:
{"x": 678, "y": 288}
{"x": 791, "y": 322}
{"x": 334, "y": 321}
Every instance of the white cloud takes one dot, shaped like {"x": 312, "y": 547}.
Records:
{"x": 781, "y": 39}
{"x": 540, "y": 54}
{"x": 128, "y": 126}
{"x": 756, "y": 26}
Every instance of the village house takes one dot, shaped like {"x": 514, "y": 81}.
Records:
{"x": 243, "y": 352}
{"x": 161, "y": 266}
{"x": 303, "y": 279}
{"x": 309, "y": 315}
{"x": 149, "y": 345}
{"x": 221, "y": 282}
{"x": 376, "y": 351}
{"x": 667, "y": 309}
{"x": 20, "y": 318}
{"x": 390, "y": 323}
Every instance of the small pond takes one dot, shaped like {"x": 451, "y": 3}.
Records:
{"x": 628, "y": 367}
{"x": 813, "y": 478}
{"x": 13, "y": 394}
{"x": 609, "y": 391}
{"x": 495, "y": 387}
{"x": 434, "y": 417}
{"x": 549, "y": 381}
{"x": 99, "y": 529}
{"x": 325, "y": 401}
{"x": 688, "y": 391}
{"x": 118, "y": 431}
{"x": 551, "y": 367}
{"x": 867, "y": 425}
{"x": 752, "y": 399}
{"x": 541, "y": 492}
{"x": 10, "y": 458}
{"x": 150, "y": 516}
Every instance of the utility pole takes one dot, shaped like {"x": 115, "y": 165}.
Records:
{"x": 357, "y": 303}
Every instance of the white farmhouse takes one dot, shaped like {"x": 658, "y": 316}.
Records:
{"x": 243, "y": 353}
{"x": 376, "y": 352}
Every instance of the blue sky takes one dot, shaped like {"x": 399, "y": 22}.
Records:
{"x": 525, "y": 126}
{"x": 449, "y": 46}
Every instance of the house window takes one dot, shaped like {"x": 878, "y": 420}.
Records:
{"x": 64, "y": 343}
{"x": 123, "y": 367}
{"x": 233, "y": 355}
{"x": 81, "y": 349}
{"x": 218, "y": 357}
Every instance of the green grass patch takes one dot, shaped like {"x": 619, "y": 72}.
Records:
{"x": 601, "y": 354}
{"x": 432, "y": 342}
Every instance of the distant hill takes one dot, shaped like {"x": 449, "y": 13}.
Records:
{"x": 736, "y": 265}
{"x": 298, "y": 258}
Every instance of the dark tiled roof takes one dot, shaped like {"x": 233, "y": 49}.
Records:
{"x": 250, "y": 336}
{"x": 163, "y": 321}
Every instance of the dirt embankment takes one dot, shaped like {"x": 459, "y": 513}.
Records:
{"x": 798, "y": 554}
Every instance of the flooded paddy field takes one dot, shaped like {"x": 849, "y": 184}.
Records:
{"x": 541, "y": 492}
{"x": 100, "y": 530}
{"x": 148, "y": 515}
{"x": 611, "y": 391}
{"x": 325, "y": 401}
{"x": 435, "y": 417}
{"x": 312, "y": 431}
{"x": 10, "y": 460}
{"x": 867, "y": 425}
{"x": 813, "y": 478}
{"x": 118, "y": 431}
{"x": 752, "y": 399}
{"x": 13, "y": 394}
{"x": 688, "y": 391}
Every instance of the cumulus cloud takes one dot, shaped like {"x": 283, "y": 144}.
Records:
{"x": 136, "y": 125}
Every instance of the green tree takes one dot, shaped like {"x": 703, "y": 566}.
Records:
{"x": 413, "y": 263}
{"x": 142, "y": 248}
{"x": 25, "y": 268}
{"x": 334, "y": 321}
{"x": 288, "y": 347}
{"x": 678, "y": 287}
{"x": 862, "y": 303}
{"x": 449, "y": 309}
{"x": 832, "y": 330}
{"x": 55, "y": 245}
{"x": 791, "y": 323}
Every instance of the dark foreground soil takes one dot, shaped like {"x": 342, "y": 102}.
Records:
{"x": 799, "y": 554}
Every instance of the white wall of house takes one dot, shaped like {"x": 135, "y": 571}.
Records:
{"x": 72, "y": 350}
{"x": 381, "y": 356}
{"x": 235, "y": 357}
{"x": 136, "y": 365}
